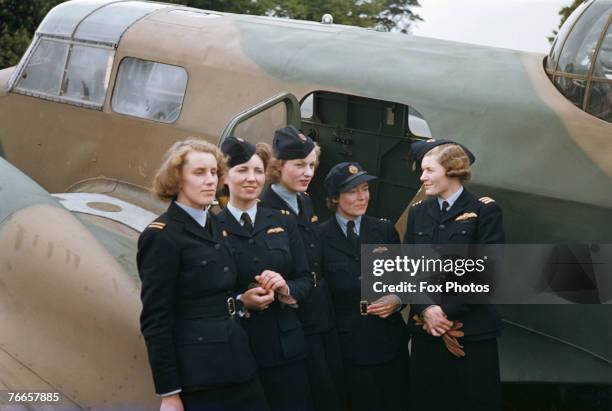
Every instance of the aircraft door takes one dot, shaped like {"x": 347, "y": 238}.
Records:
{"x": 374, "y": 133}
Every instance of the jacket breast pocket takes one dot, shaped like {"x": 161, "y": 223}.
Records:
{"x": 463, "y": 232}
{"x": 277, "y": 242}
{"x": 199, "y": 257}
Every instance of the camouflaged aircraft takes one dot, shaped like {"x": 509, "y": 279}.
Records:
{"x": 107, "y": 86}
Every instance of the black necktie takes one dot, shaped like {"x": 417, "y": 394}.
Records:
{"x": 445, "y": 207}
{"x": 352, "y": 237}
{"x": 248, "y": 223}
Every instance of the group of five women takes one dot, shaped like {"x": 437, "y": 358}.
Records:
{"x": 259, "y": 307}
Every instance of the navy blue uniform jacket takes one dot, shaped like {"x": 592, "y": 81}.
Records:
{"x": 187, "y": 276}
{"x": 366, "y": 340}
{"x": 316, "y": 312}
{"x": 276, "y": 333}
{"x": 426, "y": 226}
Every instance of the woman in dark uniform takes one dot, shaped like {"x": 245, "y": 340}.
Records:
{"x": 372, "y": 334}
{"x": 273, "y": 277}
{"x": 440, "y": 379}
{"x": 200, "y": 357}
{"x": 290, "y": 172}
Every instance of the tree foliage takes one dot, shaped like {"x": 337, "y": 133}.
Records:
{"x": 20, "y": 18}
{"x": 18, "y": 22}
{"x": 565, "y": 13}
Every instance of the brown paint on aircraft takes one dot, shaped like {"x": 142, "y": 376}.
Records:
{"x": 53, "y": 272}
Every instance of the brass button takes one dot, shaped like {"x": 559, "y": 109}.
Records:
{"x": 217, "y": 246}
{"x": 226, "y": 269}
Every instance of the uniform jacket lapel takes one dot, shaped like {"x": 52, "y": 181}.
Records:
{"x": 369, "y": 233}
{"x": 458, "y": 207}
{"x": 262, "y": 219}
{"x": 230, "y": 224}
{"x": 337, "y": 239}
{"x": 433, "y": 209}
{"x": 177, "y": 213}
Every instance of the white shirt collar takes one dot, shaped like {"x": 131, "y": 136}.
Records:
{"x": 195, "y": 213}
{"x": 288, "y": 196}
{"x": 450, "y": 200}
{"x": 237, "y": 213}
{"x": 342, "y": 222}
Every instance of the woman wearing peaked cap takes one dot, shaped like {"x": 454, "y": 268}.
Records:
{"x": 443, "y": 378}
{"x": 290, "y": 172}
{"x": 273, "y": 277}
{"x": 372, "y": 334}
{"x": 200, "y": 357}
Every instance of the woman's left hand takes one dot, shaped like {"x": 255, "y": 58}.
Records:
{"x": 384, "y": 306}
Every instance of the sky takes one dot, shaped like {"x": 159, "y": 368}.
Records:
{"x": 514, "y": 24}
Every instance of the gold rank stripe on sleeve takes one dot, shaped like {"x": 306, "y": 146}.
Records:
{"x": 285, "y": 212}
{"x": 486, "y": 200}
{"x": 275, "y": 230}
{"x": 159, "y": 226}
{"x": 466, "y": 216}
{"x": 417, "y": 203}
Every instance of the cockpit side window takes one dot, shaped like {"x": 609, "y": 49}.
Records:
{"x": 68, "y": 72}
{"x": 44, "y": 71}
{"x": 149, "y": 90}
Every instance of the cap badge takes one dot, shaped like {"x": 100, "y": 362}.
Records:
{"x": 352, "y": 169}
{"x": 240, "y": 139}
{"x": 302, "y": 137}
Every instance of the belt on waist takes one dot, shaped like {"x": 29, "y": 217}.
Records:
{"x": 208, "y": 308}
{"x": 350, "y": 308}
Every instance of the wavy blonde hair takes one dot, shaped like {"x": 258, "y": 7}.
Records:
{"x": 166, "y": 183}
{"x": 454, "y": 160}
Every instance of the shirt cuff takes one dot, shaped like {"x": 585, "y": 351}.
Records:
{"x": 242, "y": 311}
{"x": 167, "y": 394}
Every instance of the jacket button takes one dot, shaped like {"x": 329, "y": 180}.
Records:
{"x": 420, "y": 233}
{"x": 204, "y": 262}
{"x": 251, "y": 241}
{"x": 442, "y": 226}
{"x": 255, "y": 259}
{"x": 217, "y": 246}
{"x": 463, "y": 232}
{"x": 312, "y": 245}
{"x": 200, "y": 339}
{"x": 226, "y": 269}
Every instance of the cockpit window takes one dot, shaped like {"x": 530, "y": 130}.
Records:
{"x": 43, "y": 74}
{"x": 579, "y": 63}
{"x": 71, "y": 55}
{"x": 73, "y": 73}
{"x": 149, "y": 90}
{"x": 88, "y": 74}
